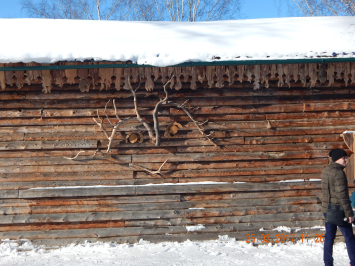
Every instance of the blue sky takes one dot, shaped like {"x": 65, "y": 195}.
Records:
{"x": 251, "y": 9}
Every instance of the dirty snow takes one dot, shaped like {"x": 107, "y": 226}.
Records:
{"x": 225, "y": 251}
{"x": 169, "y": 43}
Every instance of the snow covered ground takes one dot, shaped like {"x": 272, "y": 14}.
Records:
{"x": 225, "y": 251}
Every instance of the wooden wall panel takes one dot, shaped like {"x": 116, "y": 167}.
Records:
{"x": 271, "y": 145}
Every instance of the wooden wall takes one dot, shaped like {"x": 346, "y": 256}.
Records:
{"x": 272, "y": 145}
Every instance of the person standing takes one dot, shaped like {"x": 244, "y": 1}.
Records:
{"x": 336, "y": 192}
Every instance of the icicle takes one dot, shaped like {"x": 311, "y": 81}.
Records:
{"x": 178, "y": 73}
{"x": 293, "y": 68}
{"x": 303, "y": 73}
{"x": 249, "y": 69}
{"x": 339, "y": 68}
{"x": 20, "y": 75}
{"x": 186, "y": 73}
{"x": 264, "y": 72}
{"x": 2, "y": 80}
{"x": 352, "y": 72}
{"x": 330, "y": 73}
{"x": 9, "y": 76}
{"x": 32, "y": 75}
{"x": 71, "y": 74}
{"x": 94, "y": 74}
{"x": 84, "y": 85}
{"x": 273, "y": 71}
{"x": 201, "y": 73}
{"x": 193, "y": 78}
{"x": 106, "y": 77}
{"x": 127, "y": 76}
{"x": 312, "y": 74}
{"x": 46, "y": 81}
{"x": 240, "y": 73}
{"x": 135, "y": 74}
{"x": 149, "y": 83}
{"x": 280, "y": 71}
{"x": 164, "y": 74}
{"x": 286, "y": 71}
{"x": 257, "y": 77}
{"x": 322, "y": 73}
{"x": 230, "y": 72}
{"x": 220, "y": 71}
{"x": 346, "y": 73}
{"x": 118, "y": 73}
{"x": 210, "y": 73}
{"x": 156, "y": 73}
{"x": 171, "y": 70}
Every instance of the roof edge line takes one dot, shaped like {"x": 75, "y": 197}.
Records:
{"x": 186, "y": 64}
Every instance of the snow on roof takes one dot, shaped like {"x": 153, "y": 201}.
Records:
{"x": 170, "y": 43}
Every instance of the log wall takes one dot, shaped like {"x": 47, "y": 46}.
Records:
{"x": 272, "y": 144}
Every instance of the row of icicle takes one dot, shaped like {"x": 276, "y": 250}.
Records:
{"x": 215, "y": 76}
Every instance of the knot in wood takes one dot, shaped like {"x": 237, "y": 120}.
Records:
{"x": 176, "y": 212}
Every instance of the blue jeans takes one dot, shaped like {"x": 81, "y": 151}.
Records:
{"x": 330, "y": 232}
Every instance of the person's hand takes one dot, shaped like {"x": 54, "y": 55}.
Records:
{"x": 351, "y": 219}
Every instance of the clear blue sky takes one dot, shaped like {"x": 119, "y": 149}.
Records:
{"x": 251, "y": 9}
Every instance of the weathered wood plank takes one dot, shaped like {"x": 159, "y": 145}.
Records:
{"x": 38, "y": 145}
{"x": 18, "y": 95}
{"x": 65, "y": 95}
{"x": 312, "y": 115}
{"x": 76, "y": 192}
{"x": 70, "y": 176}
{"x": 248, "y": 195}
{"x": 64, "y": 168}
{"x": 192, "y": 236}
{"x": 12, "y": 137}
{"x": 290, "y": 131}
{"x": 243, "y": 92}
{"x": 251, "y": 211}
{"x": 80, "y": 160}
{"x": 190, "y": 157}
{"x": 93, "y": 112}
{"x": 90, "y": 201}
{"x": 265, "y": 148}
{"x": 234, "y": 164}
{"x": 8, "y": 194}
{"x": 123, "y": 103}
{"x": 89, "y": 217}
{"x": 64, "y": 184}
{"x": 293, "y": 139}
{"x": 204, "y": 188}
{"x": 62, "y": 226}
{"x": 175, "y": 143}
{"x": 171, "y": 205}
{"x": 142, "y": 231}
{"x": 20, "y": 113}
{"x": 251, "y": 179}
{"x": 282, "y": 170}
{"x": 99, "y": 135}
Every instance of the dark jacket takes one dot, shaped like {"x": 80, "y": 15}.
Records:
{"x": 338, "y": 187}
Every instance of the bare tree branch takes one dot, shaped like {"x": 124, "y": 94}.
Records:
{"x": 148, "y": 170}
